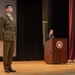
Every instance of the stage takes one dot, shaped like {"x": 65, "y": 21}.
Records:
{"x": 39, "y": 68}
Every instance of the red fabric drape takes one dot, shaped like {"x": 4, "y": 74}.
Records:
{"x": 71, "y": 30}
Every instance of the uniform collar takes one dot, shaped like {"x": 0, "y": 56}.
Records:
{"x": 9, "y": 15}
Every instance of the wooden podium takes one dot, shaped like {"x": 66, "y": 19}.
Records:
{"x": 55, "y": 51}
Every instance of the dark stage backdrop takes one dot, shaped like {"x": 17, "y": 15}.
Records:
{"x": 29, "y": 26}
{"x": 59, "y": 18}
{"x": 29, "y": 30}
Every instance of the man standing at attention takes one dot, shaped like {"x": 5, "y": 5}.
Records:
{"x": 7, "y": 35}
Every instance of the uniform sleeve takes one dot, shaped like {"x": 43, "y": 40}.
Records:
{"x": 1, "y": 28}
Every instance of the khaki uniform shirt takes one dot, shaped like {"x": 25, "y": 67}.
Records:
{"x": 7, "y": 28}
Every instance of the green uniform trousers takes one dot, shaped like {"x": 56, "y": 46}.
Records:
{"x": 8, "y": 50}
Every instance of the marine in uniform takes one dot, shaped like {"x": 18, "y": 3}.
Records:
{"x": 8, "y": 36}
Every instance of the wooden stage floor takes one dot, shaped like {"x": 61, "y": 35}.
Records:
{"x": 39, "y": 68}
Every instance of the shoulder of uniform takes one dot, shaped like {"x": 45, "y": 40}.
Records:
{"x": 3, "y": 17}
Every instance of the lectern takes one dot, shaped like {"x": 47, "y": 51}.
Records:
{"x": 55, "y": 51}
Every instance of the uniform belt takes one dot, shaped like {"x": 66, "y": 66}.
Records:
{"x": 10, "y": 29}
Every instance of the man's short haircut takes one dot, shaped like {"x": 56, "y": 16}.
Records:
{"x": 8, "y": 6}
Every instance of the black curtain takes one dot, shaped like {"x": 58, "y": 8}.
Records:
{"x": 59, "y": 18}
{"x": 29, "y": 30}
{"x": 49, "y": 15}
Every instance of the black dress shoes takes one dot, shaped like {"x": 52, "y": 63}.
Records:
{"x": 7, "y": 71}
{"x": 11, "y": 70}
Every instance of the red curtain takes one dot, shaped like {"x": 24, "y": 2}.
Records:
{"x": 71, "y": 29}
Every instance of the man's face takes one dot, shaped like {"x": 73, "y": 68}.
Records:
{"x": 9, "y": 9}
{"x": 51, "y": 32}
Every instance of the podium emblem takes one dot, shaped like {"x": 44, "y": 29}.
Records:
{"x": 59, "y": 44}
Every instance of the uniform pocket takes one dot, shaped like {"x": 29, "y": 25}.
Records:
{"x": 7, "y": 35}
